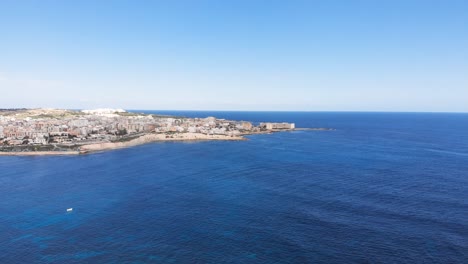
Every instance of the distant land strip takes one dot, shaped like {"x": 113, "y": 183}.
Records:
{"x": 70, "y": 132}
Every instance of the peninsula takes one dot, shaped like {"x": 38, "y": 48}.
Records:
{"x": 65, "y": 132}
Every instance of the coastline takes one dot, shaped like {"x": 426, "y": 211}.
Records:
{"x": 29, "y": 132}
{"x": 144, "y": 139}
{"x": 40, "y": 153}
{"x": 149, "y": 138}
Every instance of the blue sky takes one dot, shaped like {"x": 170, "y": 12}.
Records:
{"x": 332, "y": 55}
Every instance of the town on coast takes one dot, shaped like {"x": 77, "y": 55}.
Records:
{"x": 65, "y": 132}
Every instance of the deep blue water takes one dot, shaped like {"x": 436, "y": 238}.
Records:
{"x": 382, "y": 188}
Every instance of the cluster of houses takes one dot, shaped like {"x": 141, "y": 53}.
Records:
{"x": 95, "y": 126}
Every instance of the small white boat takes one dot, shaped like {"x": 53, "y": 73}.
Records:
{"x": 69, "y": 209}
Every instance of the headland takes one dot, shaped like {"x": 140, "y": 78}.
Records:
{"x": 71, "y": 132}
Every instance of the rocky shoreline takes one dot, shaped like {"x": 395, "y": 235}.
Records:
{"x": 144, "y": 139}
{"x": 39, "y": 153}
{"x": 149, "y": 138}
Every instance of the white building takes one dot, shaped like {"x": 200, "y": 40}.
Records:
{"x": 103, "y": 111}
{"x": 39, "y": 138}
{"x": 271, "y": 126}
{"x": 82, "y": 122}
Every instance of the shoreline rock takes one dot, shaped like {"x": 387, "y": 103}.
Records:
{"x": 149, "y": 138}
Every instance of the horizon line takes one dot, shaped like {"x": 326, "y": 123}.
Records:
{"x": 233, "y": 110}
{"x": 297, "y": 111}
{"x": 301, "y": 111}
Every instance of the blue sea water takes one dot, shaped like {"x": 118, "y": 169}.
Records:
{"x": 381, "y": 188}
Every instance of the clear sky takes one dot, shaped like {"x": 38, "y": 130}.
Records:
{"x": 385, "y": 55}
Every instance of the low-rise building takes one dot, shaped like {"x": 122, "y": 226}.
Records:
{"x": 271, "y": 126}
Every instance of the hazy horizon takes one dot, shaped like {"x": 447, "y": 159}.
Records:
{"x": 352, "y": 56}
{"x": 234, "y": 110}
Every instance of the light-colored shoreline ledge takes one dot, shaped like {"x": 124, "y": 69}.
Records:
{"x": 148, "y": 138}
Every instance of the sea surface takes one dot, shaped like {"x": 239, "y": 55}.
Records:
{"x": 381, "y": 188}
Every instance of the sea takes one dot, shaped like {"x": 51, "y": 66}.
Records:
{"x": 380, "y": 188}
